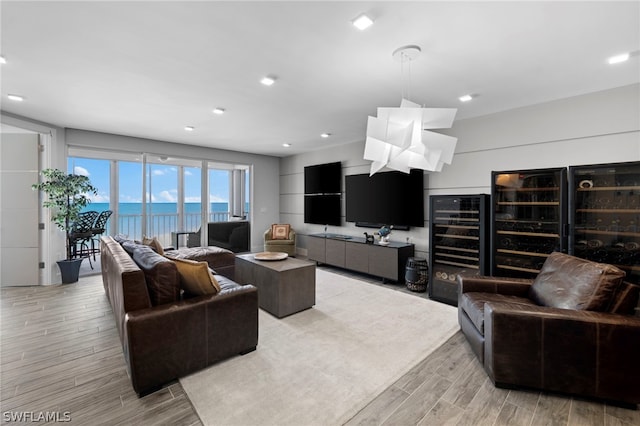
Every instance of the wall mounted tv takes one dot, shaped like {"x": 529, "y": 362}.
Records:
{"x": 323, "y": 178}
{"x": 322, "y": 209}
{"x": 322, "y": 194}
{"x": 391, "y": 198}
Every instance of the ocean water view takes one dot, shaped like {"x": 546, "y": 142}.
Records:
{"x": 162, "y": 219}
{"x": 159, "y": 208}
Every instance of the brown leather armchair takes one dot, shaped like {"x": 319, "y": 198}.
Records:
{"x": 570, "y": 330}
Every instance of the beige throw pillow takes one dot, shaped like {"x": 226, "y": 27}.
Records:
{"x": 280, "y": 232}
{"x": 196, "y": 278}
{"x": 154, "y": 243}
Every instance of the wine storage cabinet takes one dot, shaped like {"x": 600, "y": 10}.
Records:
{"x": 458, "y": 242}
{"x": 604, "y": 205}
{"x": 528, "y": 220}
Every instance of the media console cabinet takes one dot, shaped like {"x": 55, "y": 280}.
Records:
{"x": 385, "y": 261}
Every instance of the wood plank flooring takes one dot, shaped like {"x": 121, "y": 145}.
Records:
{"x": 60, "y": 352}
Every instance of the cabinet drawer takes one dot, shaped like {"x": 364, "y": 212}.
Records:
{"x": 357, "y": 257}
{"x": 335, "y": 253}
{"x": 316, "y": 249}
{"x": 383, "y": 262}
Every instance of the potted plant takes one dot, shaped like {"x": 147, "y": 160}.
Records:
{"x": 67, "y": 195}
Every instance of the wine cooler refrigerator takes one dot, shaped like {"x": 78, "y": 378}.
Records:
{"x": 528, "y": 220}
{"x": 458, "y": 242}
{"x": 604, "y": 206}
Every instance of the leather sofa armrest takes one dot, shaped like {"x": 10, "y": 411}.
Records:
{"x": 169, "y": 341}
{"x": 582, "y": 352}
{"x": 502, "y": 285}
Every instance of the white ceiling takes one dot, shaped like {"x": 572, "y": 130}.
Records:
{"x": 147, "y": 69}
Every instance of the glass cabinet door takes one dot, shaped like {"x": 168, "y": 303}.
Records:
{"x": 528, "y": 220}
{"x": 457, "y": 244}
{"x": 605, "y": 213}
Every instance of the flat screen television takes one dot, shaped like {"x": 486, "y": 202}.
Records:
{"x": 322, "y": 209}
{"x": 323, "y": 178}
{"x": 391, "y": 198}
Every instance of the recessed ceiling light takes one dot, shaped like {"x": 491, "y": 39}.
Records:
{"x": 218, "y": 111}
{"x": 268, "y": 81}
{"x": 619, "y": 58}
{"x": 325, "y": 135}
{"x": 15, "y": 98}
{"x": 189, "y": 128}
{"x": 362, "y": 22}
{"x": 2, "y": 60}
{"x": 286, "y": 145}
{"x": 465, "y": 98}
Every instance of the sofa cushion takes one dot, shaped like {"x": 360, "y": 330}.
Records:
{"x": 196, "y": 279}
{"x": 473, "y": 304}
{"x": 216, "y": 257}
{"x": 568, "y": 282}
{"x": 160, "y": 274}
{"x": 625, "y": 299}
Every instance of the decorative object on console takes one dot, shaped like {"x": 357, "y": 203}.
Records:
{"x": 400, "y": 139}
{"x": 384, "y": 233}
{"x": 368, "y": 238}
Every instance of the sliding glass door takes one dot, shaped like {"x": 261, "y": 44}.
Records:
{"x": 158, "y": 196}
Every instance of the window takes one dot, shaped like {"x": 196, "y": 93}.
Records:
{"x": 160, "y": 195}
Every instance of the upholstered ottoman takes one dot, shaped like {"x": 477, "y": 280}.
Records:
{"x": 220, "y": 260}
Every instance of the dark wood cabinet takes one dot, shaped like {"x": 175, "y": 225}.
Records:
{"x": 387, "y": 262}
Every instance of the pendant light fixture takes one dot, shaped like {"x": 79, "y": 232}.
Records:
{"x": 401, "y": 138}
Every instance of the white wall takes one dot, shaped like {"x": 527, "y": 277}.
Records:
{"x": 600, "y": 127}
{"x": 264, "y": 172}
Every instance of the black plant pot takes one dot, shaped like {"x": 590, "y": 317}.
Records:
{"x": 70, "y": 270}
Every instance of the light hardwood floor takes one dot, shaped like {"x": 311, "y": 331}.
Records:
{"x": 60, "y": 352}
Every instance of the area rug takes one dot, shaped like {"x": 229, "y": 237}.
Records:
{"x": 323, "y": 365}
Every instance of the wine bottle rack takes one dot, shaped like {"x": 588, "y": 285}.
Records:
{"x": 458, "y": 226}
{"x": 528, "y": 218}
{"x": 604, "y": 204}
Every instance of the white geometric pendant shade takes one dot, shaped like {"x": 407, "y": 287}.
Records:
{"x": 398, "y": 138}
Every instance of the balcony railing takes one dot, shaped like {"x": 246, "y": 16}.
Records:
{"x": 161, "y": 225}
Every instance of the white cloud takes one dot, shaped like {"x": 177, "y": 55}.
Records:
{"x": 124, "y": 198}
{"x": 158, "y": 172}
{"x": 188, "y": 173}
{"x": 216, "y": 199}
{"x": 191, "y": 199}
{"x": 168, "y": 196}
{"x": 77, "y": 170}
{"x": 100, "y": 198}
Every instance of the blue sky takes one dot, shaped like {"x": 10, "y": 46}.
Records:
{"x": 164, "y": 181}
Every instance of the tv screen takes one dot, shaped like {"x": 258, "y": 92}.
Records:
{"x": 322, "y": 209}
{"x": 323, "y": 178}
{"x": 392, "y": 198}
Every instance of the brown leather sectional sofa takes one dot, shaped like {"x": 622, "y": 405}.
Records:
{"x": 164, "y": 335}
{"x": 571, "y": 330}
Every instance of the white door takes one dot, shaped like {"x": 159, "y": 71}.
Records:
{"x": 19, "y": 252}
